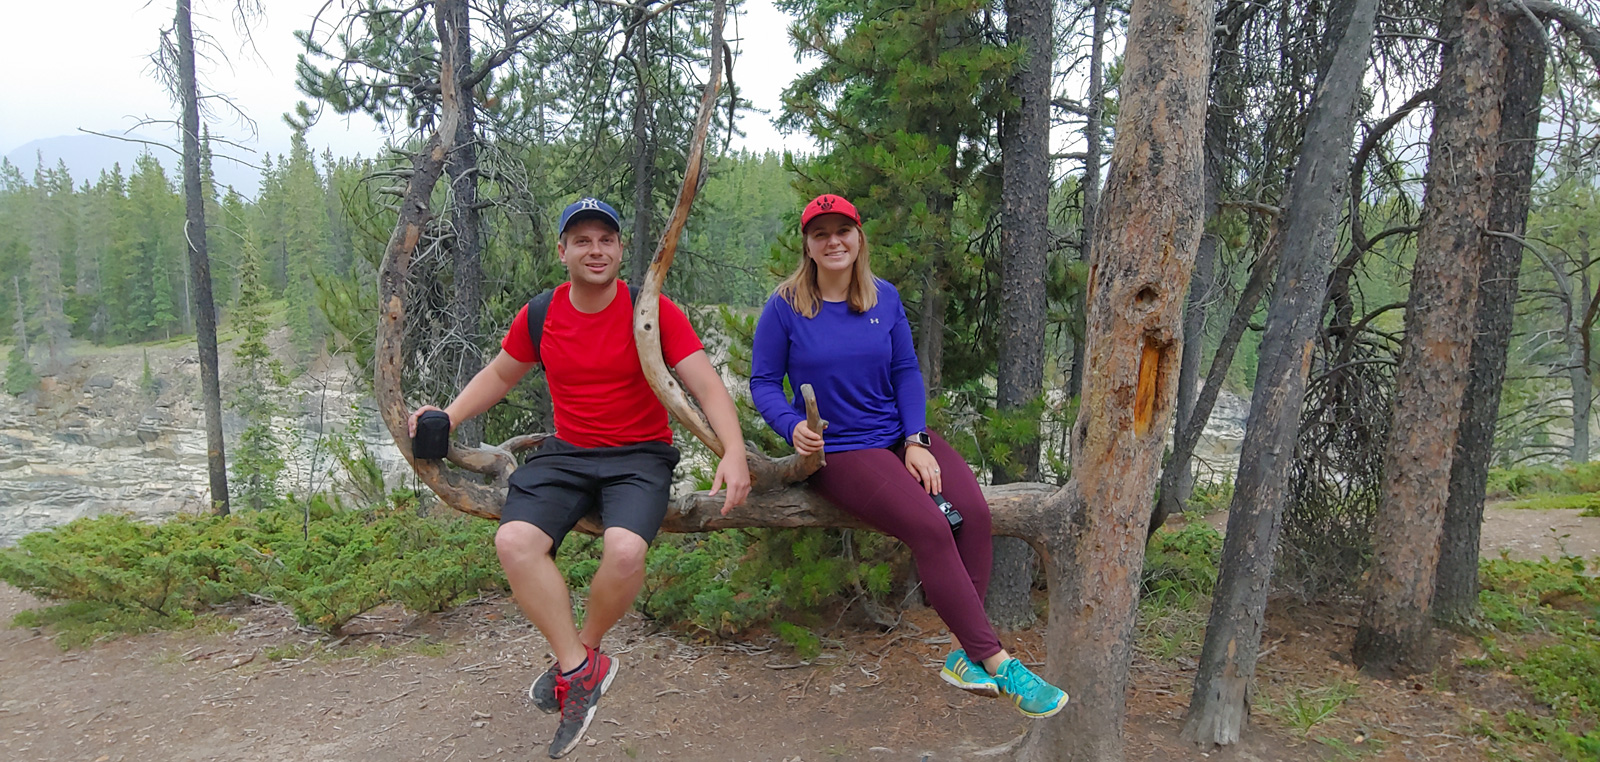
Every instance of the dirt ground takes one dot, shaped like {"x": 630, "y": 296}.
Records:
{"x": 453, "y": 686}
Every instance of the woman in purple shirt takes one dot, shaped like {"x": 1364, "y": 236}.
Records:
{"x": 833, "y": 325}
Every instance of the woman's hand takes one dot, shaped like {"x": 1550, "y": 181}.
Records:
{"x": 806, "y": 441}
{"x": 924, "y": 467}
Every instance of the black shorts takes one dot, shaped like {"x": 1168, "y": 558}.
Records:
{"x": 562, "y": 482}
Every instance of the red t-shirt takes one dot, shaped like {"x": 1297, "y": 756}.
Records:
{"x": 597, "y": 386}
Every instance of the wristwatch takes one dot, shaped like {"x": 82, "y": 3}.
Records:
{"x": 920, "y": 438}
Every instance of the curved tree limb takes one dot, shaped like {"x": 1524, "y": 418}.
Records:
{"x": 647, "y": 307}
{"x": 1587, "y": 33}
{"x": 1358, "y": 167}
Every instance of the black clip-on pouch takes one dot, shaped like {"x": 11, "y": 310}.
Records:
{"x": 432, "y": 441}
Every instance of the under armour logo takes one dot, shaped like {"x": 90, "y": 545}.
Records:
{"x": 588, "y": 203}
{"x": 874, "y": 321}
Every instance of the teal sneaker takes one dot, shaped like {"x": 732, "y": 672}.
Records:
{"x": 967, "y": 675}
{"x": 1033, "y": 696}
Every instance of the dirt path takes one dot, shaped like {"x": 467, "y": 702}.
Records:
{"x": 452, "y": 687}
{"x": 1525, "y": 535}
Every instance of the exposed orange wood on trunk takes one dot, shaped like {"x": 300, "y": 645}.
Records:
{"x": 1144, "y": 401}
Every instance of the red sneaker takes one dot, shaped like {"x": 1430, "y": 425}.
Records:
{"x": 579, "y": 696}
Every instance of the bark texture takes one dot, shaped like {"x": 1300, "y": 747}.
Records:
{"x": 1221, "y": 700}
{"x": 644, "y": 155}
{"x": 1455, "y": 596}
{"x": 205, "y": 312}
{"x": 1025, "y": 179}
{"x": 453, "y": 21}
{"x": 1141, "y": 257}
{"x": 1394, "y": 633}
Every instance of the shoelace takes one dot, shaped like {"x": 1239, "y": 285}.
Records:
{"x": 562, "y": 686}
{"x": 1029, "y": 682}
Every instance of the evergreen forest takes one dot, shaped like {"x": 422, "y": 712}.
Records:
{"x": 1371, "y": 222}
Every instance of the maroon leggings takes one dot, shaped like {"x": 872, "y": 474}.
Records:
{"x": 874, "y": 486}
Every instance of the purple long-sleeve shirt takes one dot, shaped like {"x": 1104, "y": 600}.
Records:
{"x": 861, "y": 365}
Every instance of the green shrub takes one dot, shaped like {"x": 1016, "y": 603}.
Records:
{"x": 325, "y": 564}
{"x": 1210, "y": 497}
{"x": 1521, "y": 481}
{"x": 726, "y": 582}
{"x": 1550, "y": 609}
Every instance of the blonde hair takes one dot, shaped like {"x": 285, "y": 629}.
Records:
{"x": 800, "y": 289}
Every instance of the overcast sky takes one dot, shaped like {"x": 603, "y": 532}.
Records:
{"x": 85, "y": 64}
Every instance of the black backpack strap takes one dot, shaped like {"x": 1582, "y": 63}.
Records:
{"x": 538, "y": 307}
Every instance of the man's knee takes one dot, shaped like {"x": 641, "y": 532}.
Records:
{"x": 519, "y": 541}
{"x": 624, "y": 552}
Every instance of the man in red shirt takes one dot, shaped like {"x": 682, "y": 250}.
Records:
{"x": 612, "y": 452}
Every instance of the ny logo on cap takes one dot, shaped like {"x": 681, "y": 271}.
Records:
{"x": 588, "y": 203}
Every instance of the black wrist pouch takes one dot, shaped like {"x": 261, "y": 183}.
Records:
{"x": 432, "y": 441}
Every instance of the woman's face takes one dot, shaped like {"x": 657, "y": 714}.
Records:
{"x": 833, "y": 241}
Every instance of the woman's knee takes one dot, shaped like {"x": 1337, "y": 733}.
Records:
{"x": 927, "y": 533}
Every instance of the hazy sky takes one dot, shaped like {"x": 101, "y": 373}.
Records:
{"x": 85, "y": 63}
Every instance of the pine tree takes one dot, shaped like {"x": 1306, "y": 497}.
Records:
{"x": 257, "y": 459}
{"x": 52, "y": 192}
{"x": 904, "y": 102}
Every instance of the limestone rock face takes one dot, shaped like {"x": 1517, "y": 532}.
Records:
{"x": 91, "y": 441}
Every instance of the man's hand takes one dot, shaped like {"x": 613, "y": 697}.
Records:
{"x": 411, "y": 423}
{"x": 806, "y": 441}
{"x": 733, "y": 471}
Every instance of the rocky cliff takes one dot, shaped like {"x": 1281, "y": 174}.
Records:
{"x": 99, "y": 437}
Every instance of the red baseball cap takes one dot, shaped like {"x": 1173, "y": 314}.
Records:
{"x": 828, "y": 203}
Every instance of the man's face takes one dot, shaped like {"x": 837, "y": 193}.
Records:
{"x": 592, "y": 252}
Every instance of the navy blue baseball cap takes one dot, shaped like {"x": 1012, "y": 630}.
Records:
{"x": 589, "y": 209}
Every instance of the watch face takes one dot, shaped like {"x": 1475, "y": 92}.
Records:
{"x": 920, "y": 438}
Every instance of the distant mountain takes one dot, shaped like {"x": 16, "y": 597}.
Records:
{"x": 86, "y": 155}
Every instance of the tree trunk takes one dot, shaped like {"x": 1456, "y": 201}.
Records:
{"x": 1578, "y": 368}
{"x": 1221, "y": 699}
{"x": 644, "y": 158}
{"x": 1187, "y": 437}
{"x": 204, "y": 312}
{"x": 1093, "y": 149}
{"x": 20, "y": 323}
{"x": 1141, "y": 257}
{"x": 1177, "y": 474}
{"x": 1455, "y": 596}
{"x": 454, "y": 22}
{"x": 930, "y": 330}
{"x": 1025, "y": 201}
{"x": 1430, "y": 380}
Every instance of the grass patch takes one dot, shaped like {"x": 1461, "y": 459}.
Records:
{"x": 1303, "y": 709}
{"x": 1180, "y": 572}
{"x": 1589, "y": 503}
{"x": 1542, "y": 625}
